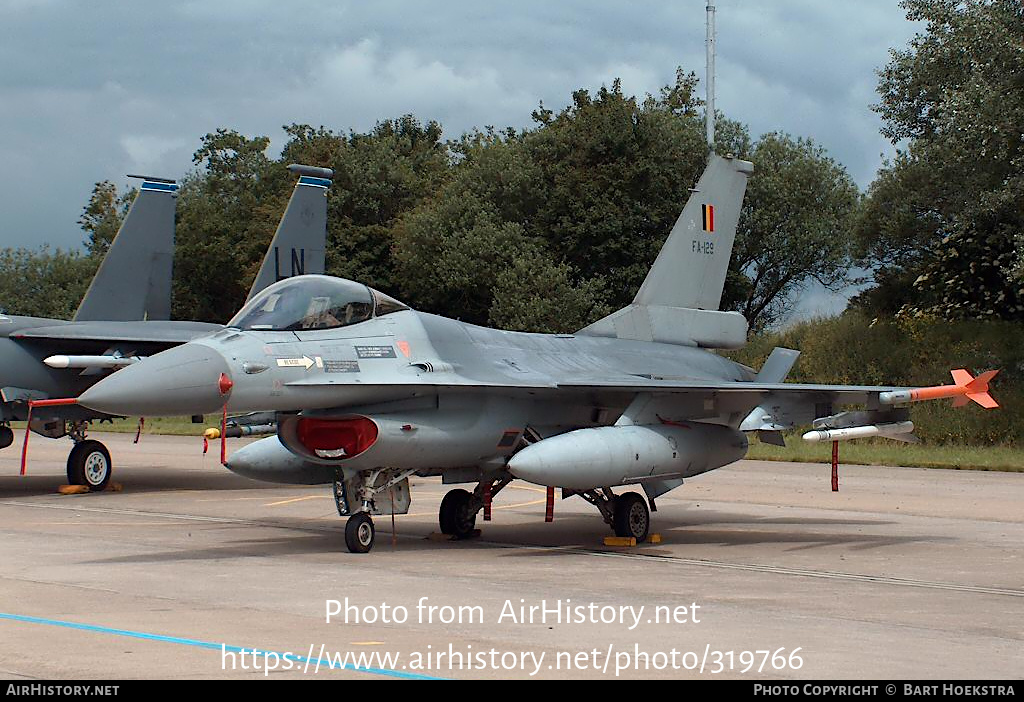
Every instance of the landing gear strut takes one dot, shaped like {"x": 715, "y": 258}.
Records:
{"x": 89, "y": 462}
{"x": 626, "y": 514}
{"x": 457, "y": 516}
{"x": 362, "y": 488}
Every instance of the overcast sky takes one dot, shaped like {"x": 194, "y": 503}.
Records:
{"x": 95, "y": 90}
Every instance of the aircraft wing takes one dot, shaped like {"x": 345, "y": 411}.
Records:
{"x": 151, "y": 332}
{"x": 842, "y": 394}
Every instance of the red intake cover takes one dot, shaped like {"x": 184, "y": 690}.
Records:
{"x": 354, "y": 435}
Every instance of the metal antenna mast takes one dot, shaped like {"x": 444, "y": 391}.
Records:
{"x": 710, "y": 83}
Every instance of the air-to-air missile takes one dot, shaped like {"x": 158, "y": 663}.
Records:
{"x": 900, "y": 431}
{"x": 966, "y": 388}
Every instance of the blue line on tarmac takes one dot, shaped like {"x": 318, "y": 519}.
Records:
{"x": 210, "y": 645}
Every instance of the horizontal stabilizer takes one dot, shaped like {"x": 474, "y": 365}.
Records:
{"x": 778, "y": 365}
{"x": 708, "y": 329}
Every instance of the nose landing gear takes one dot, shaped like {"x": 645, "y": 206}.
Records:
{"x": 89, "y": 464}
{"x": 363, "y": 489}
{"x": 359, "y": 533}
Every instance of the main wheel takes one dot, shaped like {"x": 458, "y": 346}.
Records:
{"x": 632, "y": 518}
{"x": 359, "y": 533}
{"x": 89, "y": 464}
{"x": 454, "y": 516}
{"x": 6, "y": 437}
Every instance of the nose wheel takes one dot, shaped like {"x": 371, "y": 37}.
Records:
{"x": 359, "y": 533}
{"x": 89, "y": 464}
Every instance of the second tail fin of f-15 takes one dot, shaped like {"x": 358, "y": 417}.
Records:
{"x": 300, "y": 242}
{"x": 678, "y": 301}
{"x": 134, "y": 280}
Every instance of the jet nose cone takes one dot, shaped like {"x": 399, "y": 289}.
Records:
{"x": 183, "y": 380}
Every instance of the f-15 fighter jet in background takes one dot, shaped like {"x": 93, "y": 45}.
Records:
{"x": 369, "y": 392}
{"x": 124, "y": 316}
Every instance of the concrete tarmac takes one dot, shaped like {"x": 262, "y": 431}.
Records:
{"x": 764, "y": 573}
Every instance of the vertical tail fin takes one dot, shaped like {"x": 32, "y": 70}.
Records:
{"x": 300, "y": 242}
{"x": 691, "y": 267}
{"x": 679, "y": 298}
{"x": 134, "y": 280}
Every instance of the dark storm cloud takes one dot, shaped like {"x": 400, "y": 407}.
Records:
{"x": 95, "y": 90}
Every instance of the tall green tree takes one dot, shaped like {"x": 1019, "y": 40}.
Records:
{"x": 947, "y": 214}
{"x": 102, "y": 216}
{"x": 591, "y": 193}
{"x": 43, "y": 282}
{"x": 230, "y": 206}
{"x": 226, "y": 216}
{"x": 794, "y": 228}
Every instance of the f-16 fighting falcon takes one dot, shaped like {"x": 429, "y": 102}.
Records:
{"x": 124, "y": 317}
{"x": 368, "y": 392}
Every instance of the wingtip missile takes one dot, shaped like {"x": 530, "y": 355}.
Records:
{"x": 965, "y": 388}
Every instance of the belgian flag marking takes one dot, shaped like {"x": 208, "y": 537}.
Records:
{"x": 708, "y": 217}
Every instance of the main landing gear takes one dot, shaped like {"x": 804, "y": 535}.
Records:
{"x": 6, "y": 436}
{"x": 457, "y": 515}
{"x": 89, "y": 462}
{"x": 627, "y": 514}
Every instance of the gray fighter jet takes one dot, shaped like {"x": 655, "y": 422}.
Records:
{"x": 369, "y": 392}
{"x": 124, "y": 317}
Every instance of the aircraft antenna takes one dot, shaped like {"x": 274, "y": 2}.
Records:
{"x": 710, "y": 82}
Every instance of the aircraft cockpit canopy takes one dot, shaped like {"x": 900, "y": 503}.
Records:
{"x": 311, "y": 302}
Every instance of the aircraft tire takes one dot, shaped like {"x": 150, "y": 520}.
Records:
{"x": 6, "y": 437}
{"x": 89, "y": 464}
{"x": 454, "y": 517}
{"x": 359, "y": 533}
{"x": 632, "y": 517}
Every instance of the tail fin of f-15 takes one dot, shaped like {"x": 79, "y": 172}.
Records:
{"x": 678, "y": 301}
{"x": 300, "y": 242}
{"x": 134, "y": 280}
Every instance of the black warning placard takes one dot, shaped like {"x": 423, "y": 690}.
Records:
{"x": 375, "y": 351}
{"x": 341, "y": 366}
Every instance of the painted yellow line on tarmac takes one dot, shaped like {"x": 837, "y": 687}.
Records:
{"x": 298, "y": 499}
{"x": 512, "y": 506}
{"x": 237, "y": 499}
{"x": 92, "y": 524}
